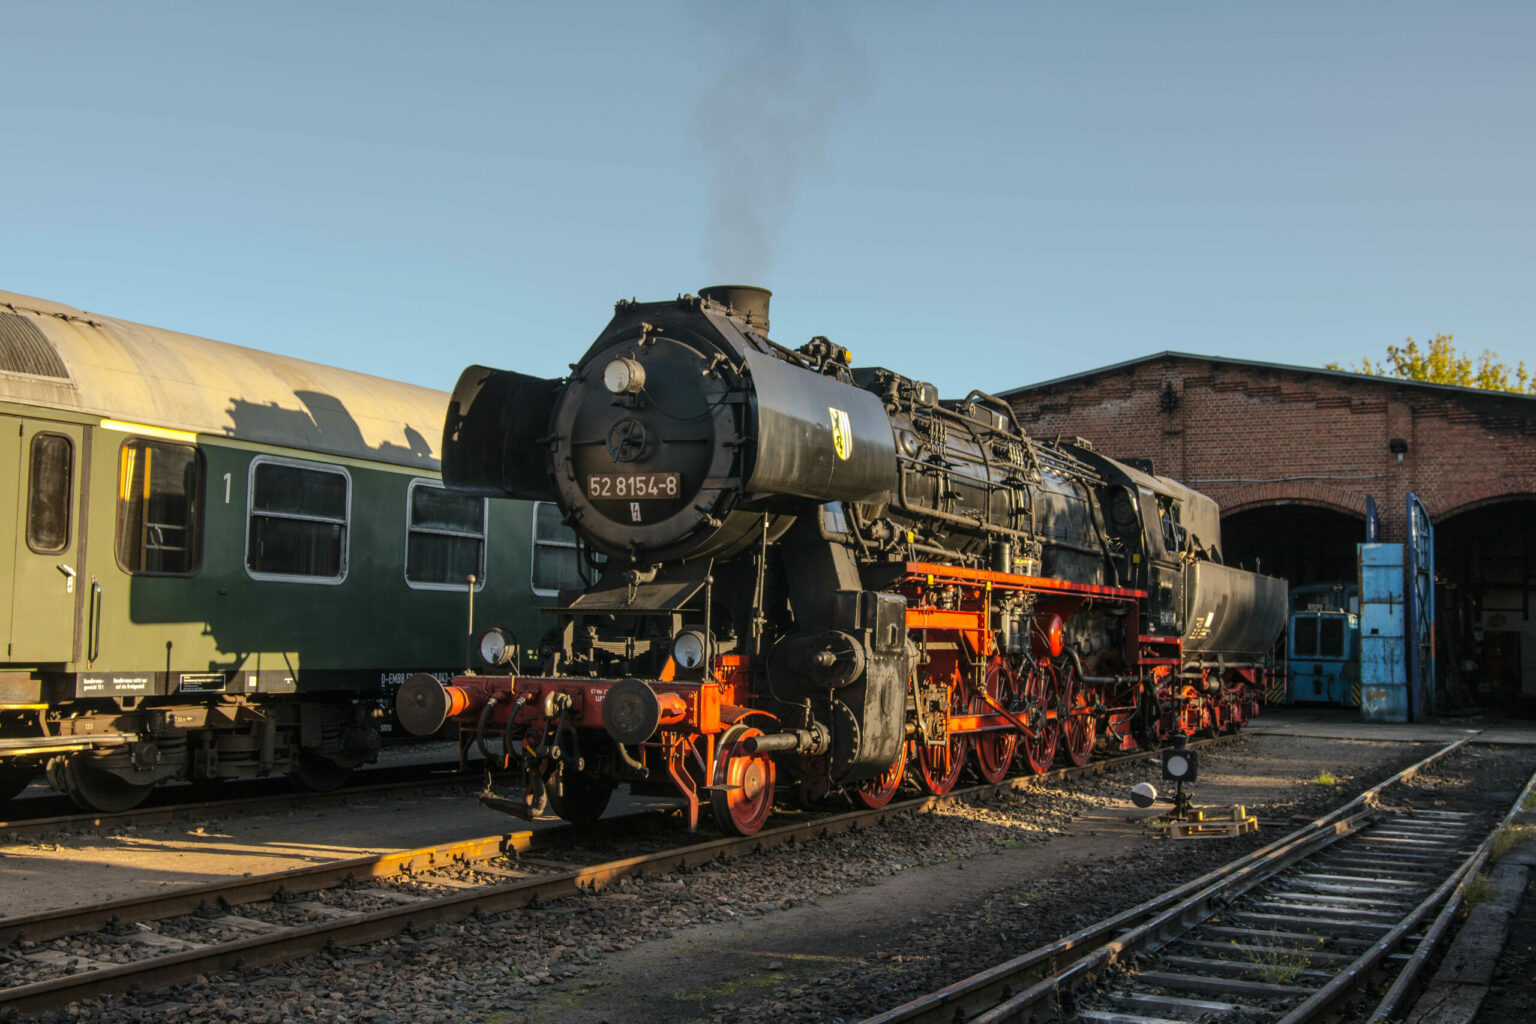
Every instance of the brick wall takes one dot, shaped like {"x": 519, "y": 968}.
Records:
{"x": 1249, "y": 435}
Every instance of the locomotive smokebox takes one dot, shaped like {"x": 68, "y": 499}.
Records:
{"x": 749, "y": 302}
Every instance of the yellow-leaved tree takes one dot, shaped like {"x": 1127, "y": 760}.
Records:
{"x": 1441, "y": 362}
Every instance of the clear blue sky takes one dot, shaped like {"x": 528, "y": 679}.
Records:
{"x": 979, "y": 194}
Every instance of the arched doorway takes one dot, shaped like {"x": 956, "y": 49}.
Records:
{"x": 1485, "y": 575}
{"x": 1303, "y": 543}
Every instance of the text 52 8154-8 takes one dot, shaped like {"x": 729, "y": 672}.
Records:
{"x": 633, "y": 485}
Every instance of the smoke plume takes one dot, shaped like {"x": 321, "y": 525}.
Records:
{"x": 764, "y": 126}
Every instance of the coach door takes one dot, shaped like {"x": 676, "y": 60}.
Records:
{"x": 46, "y": 461}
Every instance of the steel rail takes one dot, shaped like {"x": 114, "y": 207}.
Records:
{"x": 1016, "y": 989}
{"x": 53, "y": 924}
{"x": 180, "y": 967}
{"x": 1386, "y": 1008}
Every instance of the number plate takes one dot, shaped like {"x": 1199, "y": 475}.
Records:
{"x": 634, "y": 486}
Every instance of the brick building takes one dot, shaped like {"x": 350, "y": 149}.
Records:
{"x": 1291, "y": 453}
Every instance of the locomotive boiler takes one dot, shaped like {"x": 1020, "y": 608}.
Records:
{"x": 812, "y": 577}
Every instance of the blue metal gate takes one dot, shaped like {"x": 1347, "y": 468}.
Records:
{"x": 1383, "y": 671}
{"x": 1419, "y": 582}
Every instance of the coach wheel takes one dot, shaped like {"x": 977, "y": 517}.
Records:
{"x": 579, "y": 799}
{"x": 98, "y": 790}
{"x": 994, "y": 751}
{"x": 319, "y": 774}
{"x": 742, "y": 789}
{"x": 938, "y": 765}
{"x": 1078, "y": 729}
{"x": 1040, "y": 697}
{"x": 14, "y": 779}
{"x": 877, "y": 793}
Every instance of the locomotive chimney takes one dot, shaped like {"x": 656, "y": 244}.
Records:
{"x": 749, "y": 302}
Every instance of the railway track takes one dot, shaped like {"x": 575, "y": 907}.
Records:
{"x": 1286, "y": 934}
{"x": 172, "y": 938}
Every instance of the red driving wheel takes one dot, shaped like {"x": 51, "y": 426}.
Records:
{"x": 877, "y": 792}
{"x": 1040, "y": 697}
{"x": 1078, "y": 728}
{"x": 742, "y": 793}
{"x": 993, "y": 751}
{"x": 938, "y": 765}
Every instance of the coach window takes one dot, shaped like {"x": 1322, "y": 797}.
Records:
{"x": 557, "y": 560}
{"x": 159, "y": 508}
{"x": 445, "y": 537}
{"x": 48, "y": 493}
{"x": 297, "y": 527}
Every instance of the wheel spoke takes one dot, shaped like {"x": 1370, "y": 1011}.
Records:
{"x": 1078, "y": 728}
{"x": 939, "y": 764}
{"x": 1040, "y": 696}
{"x": 993, "y": 751}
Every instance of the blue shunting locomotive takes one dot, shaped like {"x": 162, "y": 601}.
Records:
{"x": 1323, "y": 645}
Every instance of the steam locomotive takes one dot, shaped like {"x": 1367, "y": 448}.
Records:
{"x": 813, "y": 577}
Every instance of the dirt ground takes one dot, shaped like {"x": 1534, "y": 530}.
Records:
{"x": 65, "y": 869}
{"x": 770, "y": 967}
{"x": 830, "y": 931}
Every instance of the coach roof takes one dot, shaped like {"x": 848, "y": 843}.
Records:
{"x": 58, "y": 357}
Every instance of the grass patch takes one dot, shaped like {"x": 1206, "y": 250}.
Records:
{"x": 1508, "y": 837}
{"x": 1477, "y": 890}
{"x": 1326, "y": 778}
{"x": 732, "y": 986}
{"x": 1282, "y": 964}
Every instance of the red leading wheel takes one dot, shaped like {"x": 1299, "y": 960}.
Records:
{"x": 743, "y": 793}
{"x": 877, "y": 793}
{"x": 938, "y": 765}
{"x": 1075, "y": 716}
{"x": 993, "y": 751}
{"x": 1040, "y": 697}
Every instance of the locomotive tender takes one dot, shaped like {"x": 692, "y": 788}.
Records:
{"x": 824, "y": 577}
{"x": 220, "y": 561}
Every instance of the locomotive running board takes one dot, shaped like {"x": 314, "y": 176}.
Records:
{"x": 933, "y": 573}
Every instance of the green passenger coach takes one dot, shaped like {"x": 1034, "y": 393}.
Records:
{"x": 220, "y": 561}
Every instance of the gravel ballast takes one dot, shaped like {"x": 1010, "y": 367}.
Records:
{"x": 826, "y": 930}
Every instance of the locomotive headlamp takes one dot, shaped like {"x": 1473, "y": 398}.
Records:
{"x": 1180, "y": 764}
{"x": 497, "y": 647}
{"x": 689, "y": 649}
{"x": 624, "y": 376}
